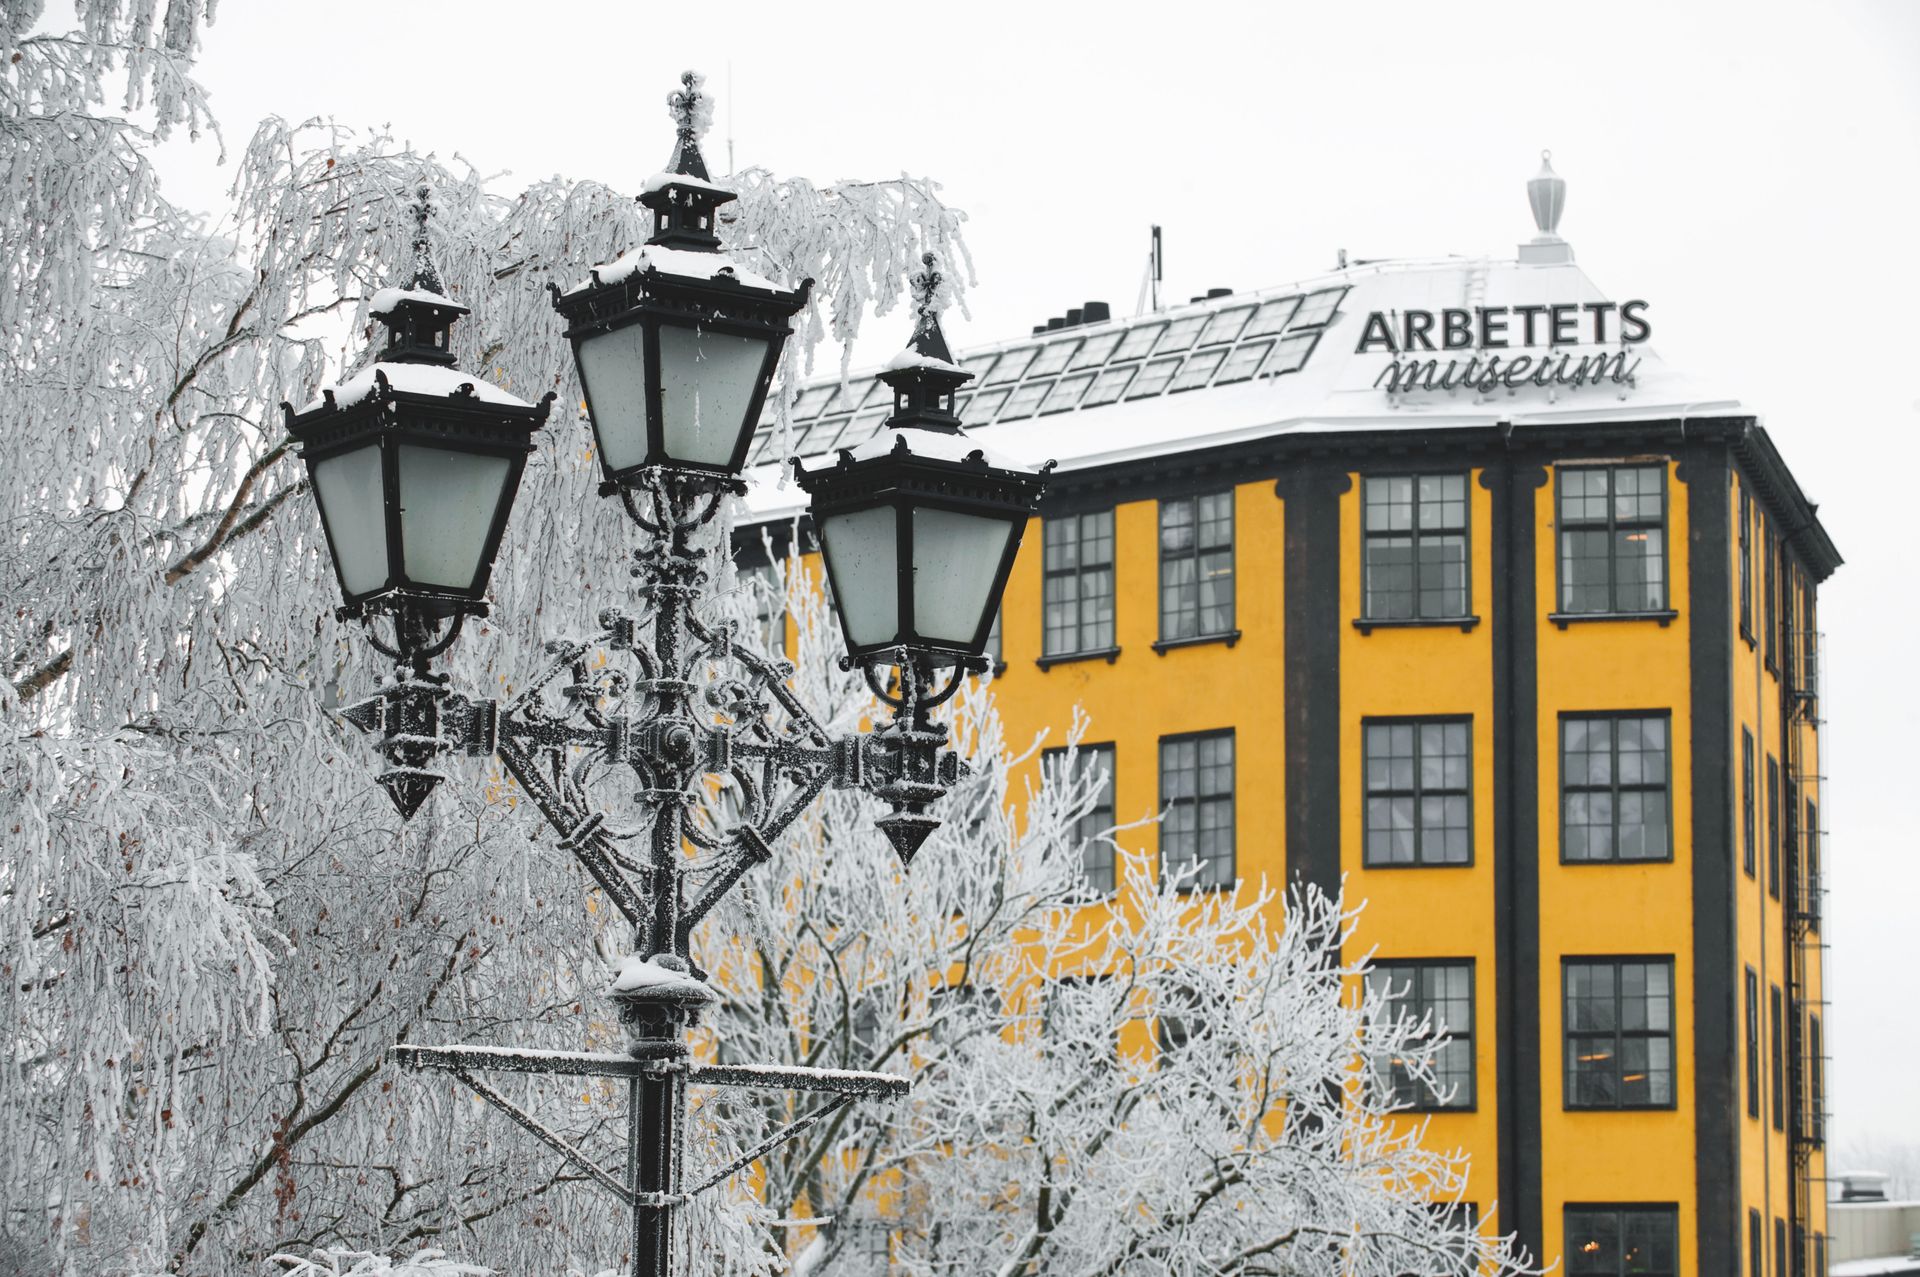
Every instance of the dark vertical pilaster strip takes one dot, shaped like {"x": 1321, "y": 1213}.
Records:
{"x": 1311, "y": 489}
{"x": 1516, "y": 841}
{"x": 1704, "y": 470}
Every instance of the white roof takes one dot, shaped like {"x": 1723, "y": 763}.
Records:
{"x": 1253, "y": 365}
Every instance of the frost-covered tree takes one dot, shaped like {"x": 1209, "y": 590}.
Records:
{"x": 212, "y": 925}
{"x": 1171, "y": 1086}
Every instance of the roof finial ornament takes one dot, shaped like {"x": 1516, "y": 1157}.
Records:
{"x": 425, "y": 275}
{"x": 930, "y": 292}
{"x": 1547, "y": 194}
{"x": 692, "y": 110}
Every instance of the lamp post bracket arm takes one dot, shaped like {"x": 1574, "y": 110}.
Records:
{"x": 518, "y": 1060}
{"x": 800, "y": 1078}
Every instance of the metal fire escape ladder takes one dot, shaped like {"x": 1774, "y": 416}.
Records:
{"x": 1803, "y": 890}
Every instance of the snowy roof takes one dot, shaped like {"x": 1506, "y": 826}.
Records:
{"x": 415, "y": 379}
{"x": 1285, "y": 360}
{"x": 1891, "y": 1266}
{"x": 673, "y": 261}
{"x": 660, "y": 181}
{"x": 386, "y": 299}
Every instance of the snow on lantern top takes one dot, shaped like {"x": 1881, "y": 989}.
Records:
{"x": 683, "y": 197}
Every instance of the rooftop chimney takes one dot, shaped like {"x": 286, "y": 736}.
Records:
{"x": 1096, "y": 312}
{"x": 1547, "y": 193}
{"x": 1218, "y": 292}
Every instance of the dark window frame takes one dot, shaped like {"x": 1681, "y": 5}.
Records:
{"x": 1663, "y": 613}
{"x": 1753, "y": 1043}
{"x": 1413, "y": 967}
{"x": 1776, "y": 1003}
{"x": 1756, "y": 1244}
{"x": 1418, "y": 792}
{"x": 1773, "y": 826}
{"x": 1194, "y": 554}
{"x": 1050, "y": 574}
{"x": 1749, "y": 838}
{"x": 1812, "y": 884}
{"x": 1669, "y": 1212}
{"x": 1614, "y": 786}
{"x": 1779, "y": 1247}
{"x": 1816, "y": 1082}
{"x": 1102, "y": 836}
{"x": 1202, "y": 881}
{"x": 1746, "y": 565}
{"x": 1367, "y": 621}
{"x": 1771, "y": 605}
{"x": 1620, "y": 1035}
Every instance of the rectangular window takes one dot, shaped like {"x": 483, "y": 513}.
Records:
{"x": 1746, "y": 564}
{"x": 1442, "y": 994}
{"x": 1196, "y": 795}
{"x": 1078, "y": 589}
{"x": 1809, "y": 639}
{"x": 1614, "y": 1241}
{"x": 1780, "y": 1247}
{"x": 1768, "y": 588}
{"x": 1753, "y": 1043}
{"x": 1613, "y": 539}
{"x": 1619, "y": 1032}
{"x": 1756, "y": 1245}
{"x": 1419, "y": 779}
{"x": 1816, "y": 1083}
{"x": 1812, "y": 904}
{"x": 1747, "y": 841}
{"x": 1094, "y": 829}
{"x": 1196, "y": 566}
{"x": 1778, "y": 1059}
{"x": 1613, "y": 785}
{"x": 1414, "y": 564}
{"x": 1773, "y": 826}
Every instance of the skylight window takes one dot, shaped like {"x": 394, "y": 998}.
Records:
{"x": 1011, "y": 365}
{"x": 1138, "y": 341}
{"x": 1319, "y": 307}
{"x": 1198, "y": 369}
{"x": 1025, "y": 400}
{"x": 1052, "y": 358}
{"x": 1241, "y": 364}
{"x": 862, "y": 428}
{"x": 1180, "y": 335}
{"x": 978, "y": 365}
{"x": 1108, "y": 386}
{"x": 1153, "y": 378}
{"x": 1226, "y": 325}
{"x": 1273, "y": 316}
{"x": 812, "y": 400}
{"x": 1095, "y": 352}
{"x": 984, "y": 405}
{"x": 821, "y": 437}
{"x": 1066, "y": 392}
{"x": 1290, "y": 354}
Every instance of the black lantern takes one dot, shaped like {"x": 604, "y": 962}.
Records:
{"x": 920, "y": 526}
{"x": 415, "y": 464}
{"x": 675, "y": 343}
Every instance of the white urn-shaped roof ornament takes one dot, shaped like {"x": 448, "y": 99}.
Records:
{"x": 1547, "y": 194}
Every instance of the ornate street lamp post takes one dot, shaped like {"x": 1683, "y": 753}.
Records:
{"x": 675, "y": 346}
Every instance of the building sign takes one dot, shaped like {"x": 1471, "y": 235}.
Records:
{"x": 1509, "y": 346}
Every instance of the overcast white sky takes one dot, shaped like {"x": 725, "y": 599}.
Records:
{"x": 1752, "y": 170}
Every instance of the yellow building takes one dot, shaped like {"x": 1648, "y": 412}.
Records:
{"x": 1435, "y": 579}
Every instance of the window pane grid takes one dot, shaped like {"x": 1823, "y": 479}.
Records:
{"x": 1418, "y": 793}
{"x": 1225, "y": 326}
{"x": 1290, "y": 353}
{"x": 1272, "y": 317}
{"x": 1415, "y": 552}
{"x": 1109, "y": 385}
{"x": 1093, "y": 830}
{"x": 1095, "y": 351}
{"x": 1011, "y": 365}
{"x": 1023, "y": 402}
{"x": 1196, "y": 793}
{"x": 1318, "y": 307}
{"x": 1241, "y": 364}
{"x": 1180, "y": 335}
{"x": 1442, "y": 994}
{"x": 1198, "y": 368}
{"x": 1052, "y": 358}
{"x": 1613, "y": 778}
{"x": 1610, "y": 1241}
{"x": 1196, "y": 566}
{"x": 1619, "y": 1033}
{"x": 1066, "y": 393}
{"x": 1138, "y": 341}
{"x": 1077, "y": 567}
{"x": 1613, "y": 539}
{"x": 1153, "y": 378}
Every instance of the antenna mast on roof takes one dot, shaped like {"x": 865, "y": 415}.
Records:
{"x": 1159, "y": 265}
{"x": 730, "y": 167}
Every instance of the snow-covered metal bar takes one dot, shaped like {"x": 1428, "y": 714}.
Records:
{"x": 799, "y": 1078}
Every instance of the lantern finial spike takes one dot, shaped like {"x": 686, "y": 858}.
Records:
{"x": 425, "y": 275}
{"x": 691, "y": 109}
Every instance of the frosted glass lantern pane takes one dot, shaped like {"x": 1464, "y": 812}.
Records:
{"x": 447, "y": 504}
{"x": 352, "y": 499}
{"x": 706, "y": 382}
{"x": 614, "y": 368}
{"x": 863, "y": 557}
{"x": 955, "y": 560}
